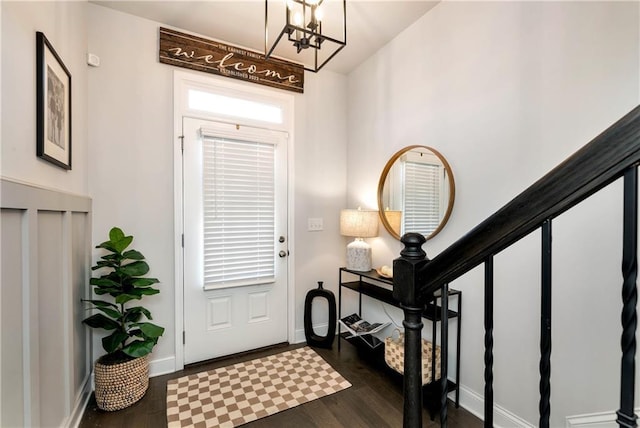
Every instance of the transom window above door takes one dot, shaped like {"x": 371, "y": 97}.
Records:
{"x": 233, "y": 106}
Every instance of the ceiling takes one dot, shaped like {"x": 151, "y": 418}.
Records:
{"x": 370, "y": 23}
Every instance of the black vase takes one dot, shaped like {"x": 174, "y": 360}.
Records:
{"x": 312, "y": 338}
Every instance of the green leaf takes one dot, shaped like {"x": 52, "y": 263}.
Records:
{"x": 122, "y": 243}
{"x": 115, "y": 234}
{"x": 104, "y": 282}
{"x": 105, "y": 264}
{"x": 115, "y": 314}
{"x": 136, "y": 332}
{"x": 138, "y": 310}
{"x": 100, "y": 303}
{"x": 107, "y": 290}
{"x": 124, "y": 297}
{"x": 133, "y": 255}
{"x": 133, "y": 315}
{"x": 112, "y": 342}
{"x": 150, "y": 330}
{"x": 139, "y": 348}
{"x": 144, "y": 282}
{"x": 137, "y": 268}
{"x": 107, "y": 245}
{"x": 139, "y": 292}
{"x": 101, "y": 321}
{"x": 108, "y": 308}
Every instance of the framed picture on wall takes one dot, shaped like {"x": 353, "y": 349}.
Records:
{"x": 53, "y": 92}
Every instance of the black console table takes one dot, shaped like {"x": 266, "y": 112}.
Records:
{"x": 377, "y": 287}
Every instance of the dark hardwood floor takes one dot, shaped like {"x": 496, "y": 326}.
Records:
{"x": 374, "y": 400}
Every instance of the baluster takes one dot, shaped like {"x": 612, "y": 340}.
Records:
{"x": 406, "y": 291}
{"x": 626, "y": 417}
{"x": 488, "y": 342}
{"x": 444, "y": 354}
{"x": 545, "y": 328}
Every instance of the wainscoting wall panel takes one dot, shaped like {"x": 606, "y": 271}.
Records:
{"x": 45, "y": 350}
{"x": 81, "y": 265}
{"x": 12, "y": 398}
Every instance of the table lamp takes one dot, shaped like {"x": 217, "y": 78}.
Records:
{"x": 359, "y": 224}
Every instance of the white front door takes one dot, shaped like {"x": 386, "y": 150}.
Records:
{"x": 235, "y": 238}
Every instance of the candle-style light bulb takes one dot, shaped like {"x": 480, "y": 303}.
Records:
{"x": 319, "y": 14}
{"x": 297, "y": 19}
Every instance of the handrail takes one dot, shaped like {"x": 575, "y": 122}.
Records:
{"x": 588, "y": 170}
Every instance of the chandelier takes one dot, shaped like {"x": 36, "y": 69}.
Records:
{"x": 311, "y": 31}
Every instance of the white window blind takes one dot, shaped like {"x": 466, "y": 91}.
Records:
{"x": 239, "y": 212}
{"x": 422, "y": 197}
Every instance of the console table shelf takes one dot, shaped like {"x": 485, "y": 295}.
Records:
{"x": 373, "y": 285}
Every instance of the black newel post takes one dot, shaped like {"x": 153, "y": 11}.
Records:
{"x": 406, "y": 291}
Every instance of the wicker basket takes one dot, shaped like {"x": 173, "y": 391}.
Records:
{"x": 394, "y": 356}
{"x": 121, "y": 385}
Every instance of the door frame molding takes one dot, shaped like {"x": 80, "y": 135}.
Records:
{"x": 181, "y": 82}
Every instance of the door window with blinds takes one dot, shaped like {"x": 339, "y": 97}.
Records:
{"x": 423, "y": 181}
{"x": 239, "y": 203}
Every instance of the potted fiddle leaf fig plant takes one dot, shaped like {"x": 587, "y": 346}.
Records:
{"x": 122, "y": 375}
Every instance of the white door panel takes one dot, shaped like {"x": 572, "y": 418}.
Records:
{"x": 221, "y": 319}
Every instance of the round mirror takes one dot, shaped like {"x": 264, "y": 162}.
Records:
{"x": 416, "y": 192}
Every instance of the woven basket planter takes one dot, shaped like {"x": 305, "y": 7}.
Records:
{"x": 121, "y": 385}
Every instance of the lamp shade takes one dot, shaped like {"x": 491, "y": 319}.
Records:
{"x": 359, "y": 223}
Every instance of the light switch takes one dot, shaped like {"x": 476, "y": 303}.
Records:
{"x": 315, "y": 224}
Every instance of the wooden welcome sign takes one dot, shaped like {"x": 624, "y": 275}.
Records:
{"x": 197, "y": 53}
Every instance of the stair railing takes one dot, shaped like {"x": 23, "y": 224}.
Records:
{"x": 613, "y": 154}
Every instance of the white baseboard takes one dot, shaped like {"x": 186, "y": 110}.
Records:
{"x": 594, "y": 420}
{"x": 162, "y": 366}
{"x": 318, "y": 328}
{"x": 73, "y": 421}
{"x": 299, "y": 336}
{"x": 502, "y": 418}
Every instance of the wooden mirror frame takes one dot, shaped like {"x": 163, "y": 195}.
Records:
{"x": 383, "y": 179}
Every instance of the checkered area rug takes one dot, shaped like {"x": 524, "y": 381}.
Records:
{"x": 241, "y": 393}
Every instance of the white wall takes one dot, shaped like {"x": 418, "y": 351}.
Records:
{"x": 505, "y": 91}
{"x": 320, "y": 187}
{"x": 130, "y": 150}
{"x": 64, "y": 25}
{"x": 131, "y": 164}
